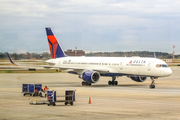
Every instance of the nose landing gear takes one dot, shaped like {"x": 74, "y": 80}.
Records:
{"x": 152, "y": 86}
{"x": 113, "y": 82}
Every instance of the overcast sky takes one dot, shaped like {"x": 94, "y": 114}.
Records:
{"x": 91, "y": 25}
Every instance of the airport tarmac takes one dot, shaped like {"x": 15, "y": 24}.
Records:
{"x": 128, "y": 100}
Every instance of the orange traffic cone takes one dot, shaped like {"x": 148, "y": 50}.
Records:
{"x": 89, "y": 100}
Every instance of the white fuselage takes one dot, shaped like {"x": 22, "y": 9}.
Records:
{"x": 114, "y": 65}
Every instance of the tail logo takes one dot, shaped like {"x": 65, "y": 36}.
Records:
{"x": 55, "y": 49}
{"x": 53, "y": 45}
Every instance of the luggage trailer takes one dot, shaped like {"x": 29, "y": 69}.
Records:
{"x": 66, "y": 96}
{"x": 31, "y": 89}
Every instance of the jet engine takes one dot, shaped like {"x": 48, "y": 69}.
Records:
{"x": 90, "y": 76}
{"x": 139, "y": 79}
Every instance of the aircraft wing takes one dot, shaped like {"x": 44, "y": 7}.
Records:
{"x": 77, "y": 69}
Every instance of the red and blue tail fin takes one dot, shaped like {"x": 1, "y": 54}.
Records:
{"x": 55, "y": 48}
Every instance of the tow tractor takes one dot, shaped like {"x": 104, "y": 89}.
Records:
{"x": 42, "y": 93}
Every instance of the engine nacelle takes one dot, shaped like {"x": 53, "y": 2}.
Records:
{"x": 139, "y": 79}
{"x": 90, "y": 76}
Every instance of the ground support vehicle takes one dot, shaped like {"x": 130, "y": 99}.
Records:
{"x": 42, "y": 93}
{"x": 31, "y": 89}
{"x": 37, "y": 102}
{"x": 66, "y": 96}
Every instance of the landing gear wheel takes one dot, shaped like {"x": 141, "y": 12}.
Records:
{"x": 71, "y": 103}
{"x": 110, "y": 82}
{"x": 152, "y": 86}
{"x": 24, "y": 94}
{"x": 113, "y": 82}
{"x": 116, "y": 82}
{"x": 54, "y": 104}
{"x": 85, "y": 84}
{"x": 66, "y": 103}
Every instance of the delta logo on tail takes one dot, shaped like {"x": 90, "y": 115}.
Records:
{"x": 55, "y": 49}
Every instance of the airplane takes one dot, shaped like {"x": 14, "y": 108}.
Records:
{"x": 90, "y": 69}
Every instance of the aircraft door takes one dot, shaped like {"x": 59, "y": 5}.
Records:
{"x": 121, "y": 65}
{"x": 101, "y": 63}
{"x": 149, "y": 67}
{"x": 60, "y": 62}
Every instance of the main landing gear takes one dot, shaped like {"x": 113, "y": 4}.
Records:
{"x": 113, "y": 82}
{"x": 85, "y": 83}
{"x": 152, "y": 86}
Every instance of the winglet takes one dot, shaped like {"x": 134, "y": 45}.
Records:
{"x": 10, "y": 58}
{"x": 154, "y": 55}
{"x": 55, "y": 48}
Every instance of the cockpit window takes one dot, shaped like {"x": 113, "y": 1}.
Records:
{"x": 158, "y": 65}
{"x": 161, "y": 65}
{"x": 164, "y": 65}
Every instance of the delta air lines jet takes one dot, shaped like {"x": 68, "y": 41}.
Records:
{"x": 90, "y": 69}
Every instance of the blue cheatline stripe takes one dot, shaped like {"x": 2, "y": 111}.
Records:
{"x": 51, "y": 47}
{"x": 122, "y": 74}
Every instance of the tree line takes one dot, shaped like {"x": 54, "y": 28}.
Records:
{"x": 160, "y": 55}
{"x": 46, "y": 55}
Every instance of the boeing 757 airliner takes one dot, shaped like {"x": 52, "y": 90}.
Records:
{"x": 90, "y": 69}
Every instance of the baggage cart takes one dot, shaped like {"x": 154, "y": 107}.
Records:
{"x": 66, "y": 96}
{"x": 31, "y": 89}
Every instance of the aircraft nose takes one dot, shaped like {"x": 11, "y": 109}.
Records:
{"x": 168, "y": 72}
